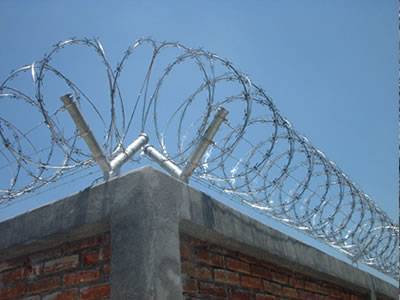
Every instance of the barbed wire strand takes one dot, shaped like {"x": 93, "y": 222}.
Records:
{"x": 257, "y": 157}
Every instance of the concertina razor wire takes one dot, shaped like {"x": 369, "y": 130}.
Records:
{"x": 256, "y": 156}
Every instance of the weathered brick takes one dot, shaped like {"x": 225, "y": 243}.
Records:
{"x": 95, "y": 292}
{"x": 227, "y": 277}
{"x": 36, "y": 297}
{"x": 44, "y": 285}
{"x": 272, "y": 288}
{"x": 13, "y": 275}
{"x": 33, "y": 271}
{"x": 330, "y": 290}
{"x": 265, "y": 297}
{"x": 245, "y": 258}
{"x": 63, "y": 295}
{"x": 317, "y": 288}
{"x": 185, "y": 250}
{"x": 34, "y": 276}
{"x": 106, "y": 253}
{"x": 280, "y": 278}
{"x": 212, "y": 289}
{"x": 258, "y": 280}
{"x": 240, "y": 295}
{"x": 10, "y": 264}
{"x": 219, "y": 250}
{"x": 12, "y": 292}
{"x": 195, "y": 271}
{"x": 21, "y": 273}
{"x": 92, "y": 258}
{"x": 304, "y": 295}
{"x": 251, "y": 282}
{"x": 81, "y": 277}
{"x": 107, "y": 268}
{"x": 296, "y": 283}
{"x": 289, "y": 292}
{"x": 237, "y": 265}
{"x": 212, "y": 259}
{"x": 189, "y": 285}
{"x": 61, "y": 264}
{"x": 260, "y": 271}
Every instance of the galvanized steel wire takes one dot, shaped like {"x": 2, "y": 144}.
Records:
{"x": 257, "y": 156}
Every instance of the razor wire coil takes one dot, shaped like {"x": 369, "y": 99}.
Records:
{"x": 257, "y": 157}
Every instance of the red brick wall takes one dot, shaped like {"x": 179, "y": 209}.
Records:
{"x": 212, "y": 272}
{"x": 73, "y": 270}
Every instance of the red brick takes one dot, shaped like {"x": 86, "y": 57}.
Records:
{"x": 289, "y": 292}
{"x": 81, "y": 277}
{"x": 227, "y": 277}
{"x": 10, "y": 264}
{"x": 303, "y": 295}
{"x": 317, "y": 288}
{"x": 251, "y": 282}
{"x": 212, "y": 259}
{"x": 275, "y": 269}
{"x": 237, "y": 265}
{"x": 265, "y": 297}
{"x": 240, "y": 295}
{"x": 107, "y": 268}
{"x": 63, "y": 295}
{"x": 245, "y": 258}
{"x": 197, "y": 242}
{"x": 189, "y": 285}
{"x": 195, "y": 271}
{"x": 210, "y": 289}
{"x": 19, "y": 274}
{"x": 280, "y": 278}
{"x": 107, "y": 253}
{"x": 92, "y": 258}
{"x": 277, "y": 282}
{"x": 13, "y": 275}
{"x": 95, "y": 292}
{"x": 61, "y": 264}
{"x": 296, "y": 283}
{"x": 359, "y": 297}
{"x": 44, "y": 285}
{"x": 36, "y": 297}
{"x": 34, "y": 271}
{"x": 260, "y": 271}
{"x": 12, "y": 292}
{"x": 185, "y": 250}
{"x": 272, "y": 288}
{"x": 222, "y": 251}
{"x": 332, "y": 291}
{"x": 187, "y": 268}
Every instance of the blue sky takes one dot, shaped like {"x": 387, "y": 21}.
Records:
{"x": 330, "y": 66}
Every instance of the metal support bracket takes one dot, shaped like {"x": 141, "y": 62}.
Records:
{"x": 112, "y": 168}
{"x": 163, "y": 161}
{"x": 127, "y": 153}
{"x": 205, "y": 142}
{"x": 109, "y": 168}
{"x": 86, "y": 134}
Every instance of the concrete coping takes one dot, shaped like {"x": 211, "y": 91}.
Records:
{"x": 146, "y": 210}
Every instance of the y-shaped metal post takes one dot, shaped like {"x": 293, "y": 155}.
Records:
{"x": 205, "y": 142}
{"x": 86, "y": 134}
{"x": 109, "y": 168}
